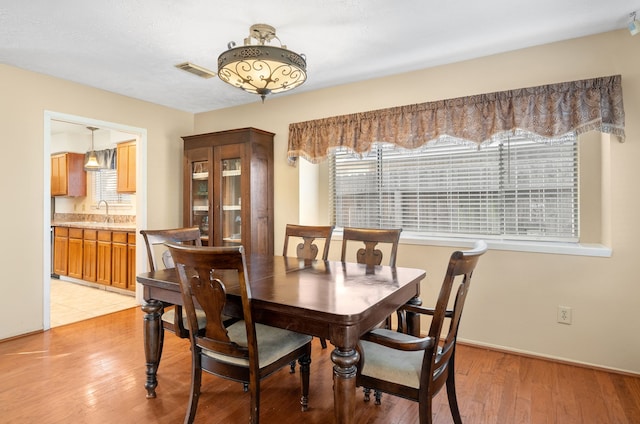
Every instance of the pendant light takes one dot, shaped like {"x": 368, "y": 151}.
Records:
{"x": 92, "y": 160}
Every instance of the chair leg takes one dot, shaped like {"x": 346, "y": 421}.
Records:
{"x": 255, "y": 401}
{"x": 323, "y": 343}
{"x": 378, "y": 395}
{"x": 425, "y": 410}
{"x": 196, "y": 380}
{"x": 451, "y": 392}
{"x": 305, "y": 366}
{"x": 367, "y": 394}
{"x": 292, "y": 364}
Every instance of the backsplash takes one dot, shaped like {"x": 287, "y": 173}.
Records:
{"x": 84, "y": 217}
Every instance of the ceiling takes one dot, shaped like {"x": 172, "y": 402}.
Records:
{"x": 131, "y": 47}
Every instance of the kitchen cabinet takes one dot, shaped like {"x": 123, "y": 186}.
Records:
{"x": 119, "y": 257}
{"x": 75, "y": 253}
{"x": 60, "y": 250}
{"x": 103, "y": 262}
{"x": 126, "y": 167}
{"x": 131, "y": 261}
{"x": 228, "y": 188}
{"x": 89, "y": 255}
{"x": 68, "y": 177}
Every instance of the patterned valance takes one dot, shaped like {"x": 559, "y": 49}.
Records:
{"x": 546, "y": 111}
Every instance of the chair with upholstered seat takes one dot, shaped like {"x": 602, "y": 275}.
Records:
{"x": 370, "y": 255}
{"x": 308, "y": 234}
{"x": 417, "y": 368}
{"x": 370, "y": 237}
{"x": 245, "y": 351}
{"x": 159, "y": 257}
{"x": 307, "y": 249}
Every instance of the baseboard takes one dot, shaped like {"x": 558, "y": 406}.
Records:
{"x": 546, "y": 357}
{"x": 19, "y": 336}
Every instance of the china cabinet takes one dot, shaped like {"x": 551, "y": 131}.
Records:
{"x": 228, "y": 188}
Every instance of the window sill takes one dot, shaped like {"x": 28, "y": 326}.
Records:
{"x": 556, "y": 248}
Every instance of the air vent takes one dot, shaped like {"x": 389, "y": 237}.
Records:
{"x": 196, "y": 70}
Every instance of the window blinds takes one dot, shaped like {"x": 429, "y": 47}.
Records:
{"x": 515, "y": 188}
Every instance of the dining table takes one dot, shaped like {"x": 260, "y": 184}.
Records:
{"x": 337, "y": 301}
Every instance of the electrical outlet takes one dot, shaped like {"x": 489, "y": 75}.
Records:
{"x": 564, "y": 314}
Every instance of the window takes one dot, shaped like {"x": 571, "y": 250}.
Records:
{"x": 514, "y": 189}
{"x": 105, "y": 184}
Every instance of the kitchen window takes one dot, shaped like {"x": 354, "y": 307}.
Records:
{"x": 515, "y": 189}
{"x": 104, "y": 183}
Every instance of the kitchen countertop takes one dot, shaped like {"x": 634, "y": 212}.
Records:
{"x": 114, "y": 226}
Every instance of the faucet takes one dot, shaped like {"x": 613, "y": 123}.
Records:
{"x": 106, "y": 218}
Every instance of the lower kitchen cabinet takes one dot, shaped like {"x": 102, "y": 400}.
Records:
{"x": 131, "y": 261}
{"x": 60, "y": 250}
{"x": 100, "y": 256}
{"x": 103, "y": 268}
{"x": 75, "y": 253}
{"x": 89, "y": 255}
{"x": 119, "y": 255}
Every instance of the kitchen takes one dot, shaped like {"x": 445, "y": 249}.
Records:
{"x": 93, "y": 221}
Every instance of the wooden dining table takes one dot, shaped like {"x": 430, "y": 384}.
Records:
{"x": 338, "y": 301}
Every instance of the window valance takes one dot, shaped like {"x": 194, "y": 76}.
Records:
{"x": 547, "y": 111}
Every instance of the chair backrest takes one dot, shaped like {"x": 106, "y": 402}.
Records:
{"x": 204, "y": 274}
{"x": 458, "y": 275}
{"x": 308, "y": 233}
{"x": 369, "y": 255}
{"x": 154, "y": 239}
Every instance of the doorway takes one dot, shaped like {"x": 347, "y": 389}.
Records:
{"x": 53, "y": 123}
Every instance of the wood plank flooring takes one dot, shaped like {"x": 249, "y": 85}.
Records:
{"x": 93, "y": 372}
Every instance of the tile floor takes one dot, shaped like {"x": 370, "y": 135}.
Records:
{"x": 72, "y": 302}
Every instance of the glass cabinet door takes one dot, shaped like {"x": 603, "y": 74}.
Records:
{"x": 200, "y": 197}
{"x": 231, "y": 217}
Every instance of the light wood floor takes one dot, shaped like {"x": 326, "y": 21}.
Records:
{"x": 93, "y": 372}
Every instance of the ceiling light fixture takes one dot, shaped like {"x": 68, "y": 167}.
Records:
{"x": 634, "y": 25}
{"x": 259, "y": 68}
{"x": 92, "y": 160}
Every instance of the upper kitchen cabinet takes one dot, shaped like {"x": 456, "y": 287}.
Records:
{"x": 68, "y": 177}
{"x": 228, "y": 188}
{"x": 126, "y": 166}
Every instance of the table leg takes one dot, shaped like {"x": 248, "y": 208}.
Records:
{"x": 344, "y": 384}
{"x": 153, "y": 338}
{"x": 413, "y": 319}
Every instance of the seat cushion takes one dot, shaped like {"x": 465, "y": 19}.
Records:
{"x": 169, "y": 316}
{"x": 396, "y": 366}
{"x": 273, "y": 343}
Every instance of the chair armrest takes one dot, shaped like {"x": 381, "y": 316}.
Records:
{"x": 424, "y": 310}
{"x": 417, "y": 344}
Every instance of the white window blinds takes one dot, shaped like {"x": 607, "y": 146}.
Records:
{"x": 105, "y": 187}
{"x": 513, "y": 189}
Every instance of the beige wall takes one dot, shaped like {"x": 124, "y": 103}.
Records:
{"x": 25, "y": 98}
{"x": 515, "y": 295}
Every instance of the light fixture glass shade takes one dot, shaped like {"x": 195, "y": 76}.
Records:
{"x": 262, "y": 69}
{"x": 92, "y": 160}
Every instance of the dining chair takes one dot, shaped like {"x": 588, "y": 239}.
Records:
{"x": 308, "y": 234}
{"x": 159, "y": 257}
{"x": 245, "y": 351}
{"x": 371, "y": 237}
{"x": 307, "y": 249}
{"x": 369, "y": 254}
{"x": 416, "y": 368}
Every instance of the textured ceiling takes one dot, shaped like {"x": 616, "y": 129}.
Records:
{"x": 130, "y": 47}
